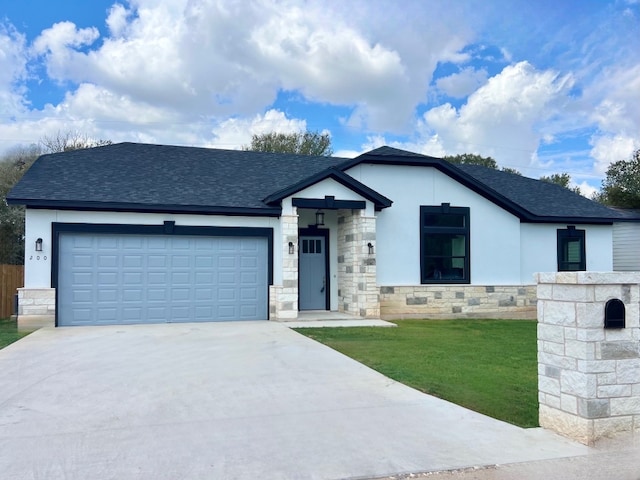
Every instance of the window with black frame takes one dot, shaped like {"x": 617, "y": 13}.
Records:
{"x": 444, "y": 244}
{"x": 571, "y": 250}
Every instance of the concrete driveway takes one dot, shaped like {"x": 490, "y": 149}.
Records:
{"x": 251, "y": 400}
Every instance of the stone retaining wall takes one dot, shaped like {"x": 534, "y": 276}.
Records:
{"x": 588, "y": 376}
{"x": 448, "y": 301}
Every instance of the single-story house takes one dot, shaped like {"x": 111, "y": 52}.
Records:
{"x": 137, "y": 233}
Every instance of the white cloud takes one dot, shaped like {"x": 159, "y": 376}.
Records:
{"x": 461, "y": 84}
{"x": 204, "y": 72}
{"x": 59, "y": 44}
{"x": 611, "y": 148}
{"x": 219, "y": 58}
{"x": 118, "y": 20}
{"x": 502, "y": 118}
{"x": 236, "y": 132}
{"x": 586, "y": 190}
{"x": 13, "y": 71}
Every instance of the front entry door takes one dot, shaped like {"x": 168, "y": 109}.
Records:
{"x": 313, "y": 279}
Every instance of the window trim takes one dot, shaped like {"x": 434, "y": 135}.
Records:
{"x": 571, "y": 233}
{"x": 445, "y": 208}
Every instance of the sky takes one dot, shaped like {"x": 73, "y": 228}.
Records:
{"x": 545, "y": 86}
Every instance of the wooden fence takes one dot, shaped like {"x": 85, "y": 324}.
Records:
{"x": 11, "y": 278}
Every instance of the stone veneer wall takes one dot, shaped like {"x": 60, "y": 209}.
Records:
{"x": 588, "y": 376}
{"x": 36, "y": 308}
{"x": 357, "y": 290}
{"x": 283, "y": 299}
{"x": 447, "y": 301}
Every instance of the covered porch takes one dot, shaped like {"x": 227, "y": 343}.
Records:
{"x": 328, "y": 261}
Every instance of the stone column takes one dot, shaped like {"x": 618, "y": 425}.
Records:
{"x": 358, "y": 292}
{"x": 588, "y": 376}
{"x": 283, "y": 299}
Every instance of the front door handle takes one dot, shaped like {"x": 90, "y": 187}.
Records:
{"x": 324, "y": 283}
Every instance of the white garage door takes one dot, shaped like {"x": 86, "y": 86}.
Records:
{"x": 106, "y": 279}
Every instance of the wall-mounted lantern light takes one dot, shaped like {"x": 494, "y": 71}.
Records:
{"x": 370, "y": 245}
{"x": 291, "y": 248}
{"x": 39, "y": 245}
{"x": 319, "y": 218}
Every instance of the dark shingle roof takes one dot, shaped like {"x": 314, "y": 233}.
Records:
{"x": 144, "y": 177}
{"x": 541, "y": 199}
{"x": 141, "y": 177}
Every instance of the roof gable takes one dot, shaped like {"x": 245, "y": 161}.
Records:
{"x": 379, "y": 201}
{"x": 530, "y": 200}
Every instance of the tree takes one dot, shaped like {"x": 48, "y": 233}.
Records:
{"x": 511, "y": 170}
{"x": 302, "y": 143}
{"x": 621, "y": 186}
{"x": 13, "y": 165}
{"x": 562, "y": 179}
{"x": 65, "y": 142}
{"x": 472, "y": 159}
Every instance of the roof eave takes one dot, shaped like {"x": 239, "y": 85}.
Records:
{"x": 380, "y": 201}
{"x": 572, "y": 220}
{"x": 142, "y": 208}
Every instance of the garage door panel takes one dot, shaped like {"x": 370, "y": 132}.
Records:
{"x": 156, "y": 294}
{"x": 180, "y": 278}
{"x": 107, "y": 278}
{"x": 226, "y": 312}
{"x": 132, "y": 315}
{"x": 158, "y": 261}
{"x": 132, "y": 295}
{"x": 132, "y": 261}
{"x": 106, "y": 295}
{"x": 80, "y": 260}
{"x": 157, "y": 243}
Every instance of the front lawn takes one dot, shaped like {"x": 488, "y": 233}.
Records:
{"x": 9, "y": 332}
{"x": 489, "y": 366}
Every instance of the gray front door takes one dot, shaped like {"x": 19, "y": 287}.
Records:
{"x": 313, "y": 273}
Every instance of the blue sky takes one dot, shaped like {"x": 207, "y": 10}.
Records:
{"x": 543, "y": 87}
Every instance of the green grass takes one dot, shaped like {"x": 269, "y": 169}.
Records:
{"x": 489, "y": 366}
{"x": 9, "y": 332}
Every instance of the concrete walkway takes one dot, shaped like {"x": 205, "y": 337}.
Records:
{"x": 237, "y": 400}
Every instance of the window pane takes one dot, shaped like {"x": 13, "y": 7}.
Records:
{"x": 444, "y": 244}
{"x": 439, "y": 268}
{"x": 572, "y": 250}
{"x": 305, "y": 246}
{"x": 444, "y": 236}
{"x": 443, "y": 220}
{"x": 318, "y": 246}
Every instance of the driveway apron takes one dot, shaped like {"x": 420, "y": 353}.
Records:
{"x": 230, "y": 401}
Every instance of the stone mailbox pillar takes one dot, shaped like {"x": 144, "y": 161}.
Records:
{"x": 588, "y": 375}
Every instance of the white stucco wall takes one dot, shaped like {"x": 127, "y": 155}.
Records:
{"x": 327, "y": 187}
{"x": 37, "y": 273}
{"x": 540, "y": 248}
{"x": 495, "y": 234}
